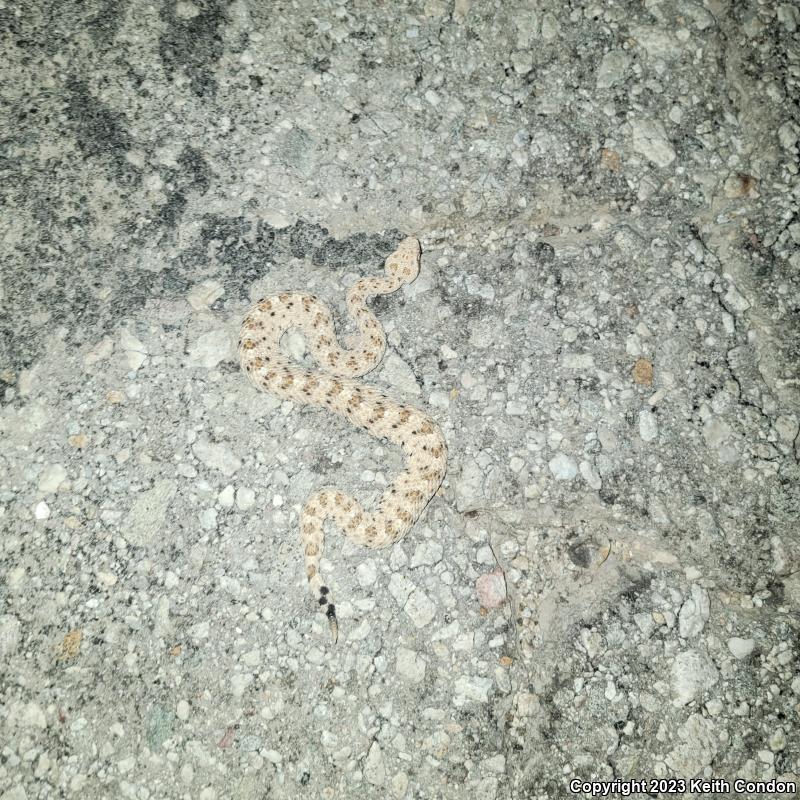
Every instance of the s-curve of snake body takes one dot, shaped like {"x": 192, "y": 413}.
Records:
{"x": 332, "y": 386}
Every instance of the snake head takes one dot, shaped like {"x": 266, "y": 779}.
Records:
{"x": 404, "y": 262}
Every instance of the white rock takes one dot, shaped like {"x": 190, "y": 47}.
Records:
{"x": 658, "y": 43}
{"x": 475, "y": 286}
{"x": 374, "y": 770}
{"x": 789, "y": 15}
{"x": 562, "y": 467}
{"x": 698, "y": 746}
{"x": 590, "y": 475}
{"x": 592, "y": 641}
{"x": 495, "y": 763}
{"x": 735, "y": 300}
{"x": 516, "y": 408}
{"x": 522, "y": 62}
{"x": 691, "y": 674}
{"x": 650, "y": 139}
{"x": 432, "y": 97}
{"x": 787, "y": 427}
{"x": 366, "y": 573}
{"x": 516, "y": 464}
{"x": 469, "y": 487}
{"x": 410, "y": 664}
{"x": 42, "y": 510}
{"x": 53, "y": 475}
{"x": 33, "y": 716}
{"x": 741, "y": 648}
{"x": 16, "y": 579}
{"x": 225, "y": 497}
{"x": 472, "y": 687}
{"x": 612, "y": 68}
{"x": 427, "y": 553}
{"x": 107, "y": 579}
{"x": 550, "y": 29}
{"x": 694, "y": 612}
{"x": 716, "y": 432}
{"x": 645, "y": 623}
{"x": 200, "y": 630}
{"x": 135, "y": 351}
{"x": 399, "y": 785}
{"x": 217, "y": 456}
{"x": 400, "y": 588}
{"x": 125, "y": 765}
{"x": 788, "y": 135}
{"x": 777, "y": 741}
{"x": 239, "y": 683}
{"x": 245, "y": 498}
{"x": 420, "y": 608}
{"x": 208, "y": 519}
{"x": 205, "y": 294}
{"x": 398, "y": 559}
{"x": 648, "y": 425}
{"x": 211, "y": 348}
{"x": 715, "y": 707}
{"x": 448, "y": 352}
{"x": 439, "y": 399}
{"x": 396, "y": 373}
{"x": 581, "y": 361}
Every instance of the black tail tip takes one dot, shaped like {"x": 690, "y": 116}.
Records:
{"x": 330, "y": 613}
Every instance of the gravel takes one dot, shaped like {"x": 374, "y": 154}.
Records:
{"x": 604, "y": 326}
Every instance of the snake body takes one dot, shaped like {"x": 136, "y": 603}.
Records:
{"x": 333, "y": 386}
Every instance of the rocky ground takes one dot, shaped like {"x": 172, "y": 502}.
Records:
{"x": 605, "y": 327}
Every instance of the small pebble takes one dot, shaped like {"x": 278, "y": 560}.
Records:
{"x": 648, "y": 426}
{"x": 51, "y": 478}
{"x": 491, "y": 589}
{"x": 366, "y": 573}
{"x": 562, "y": 467}
{"x": 225, "y": 497}
{"x": 420, "y": 609}
{"x": 741, "y": 648}
{"x": 374, "y": 769}
{"x": 245, "y": 498}
{"x": 410, "y": 665}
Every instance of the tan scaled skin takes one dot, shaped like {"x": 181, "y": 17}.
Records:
{"x": 332, "y": 387}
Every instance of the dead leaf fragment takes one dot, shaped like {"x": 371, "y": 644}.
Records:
{"x": 69, "y": 646}
{"x": 643, "y": 372}
{"x": 609, "y": 159}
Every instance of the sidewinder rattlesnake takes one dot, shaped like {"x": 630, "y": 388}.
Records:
{"x": 332, "y": 387}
